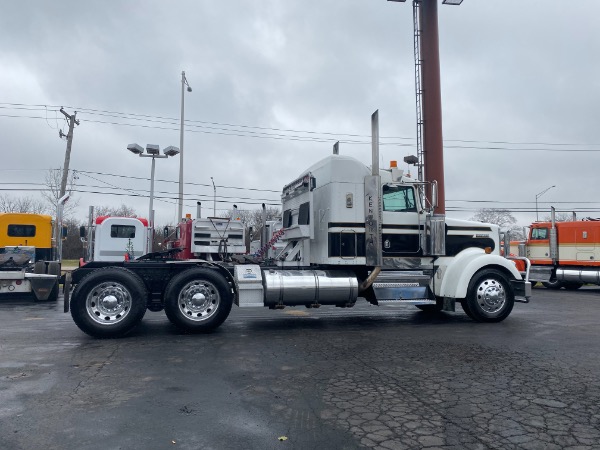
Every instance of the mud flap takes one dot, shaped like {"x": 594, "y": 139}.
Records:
{"x": 449, "y": 304}
{"x": 66, "y": 291}
{"x": 42, "y": 287}
{"x": 522, "y": 290}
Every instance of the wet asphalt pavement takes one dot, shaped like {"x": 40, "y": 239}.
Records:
{"x": 366, "y": 377}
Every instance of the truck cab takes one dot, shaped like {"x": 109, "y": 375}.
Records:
{"x": 116, "y": 238}
{"x": 564, "y": 254}
{"x": 26, "y": 256}
{"x": 27, "y": 230}
{"x": 342, "y": 200}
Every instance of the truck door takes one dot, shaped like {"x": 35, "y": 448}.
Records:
{"x": 538, "y": 245}
{"x": 400, "y": 226}
{"x": 585, "y": 242}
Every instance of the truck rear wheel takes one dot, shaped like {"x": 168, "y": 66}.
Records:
{"x": 572, "y": 285}
{"x": 109, "y": 302}
{"x": 490, "y": 297}
{"x": 198, "y": 300}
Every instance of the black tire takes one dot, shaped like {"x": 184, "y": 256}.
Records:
{"x": 553, "y": 284}
{"x": 39, "y": 267}
{"x": 490, "y": 297}
{"x": 54, "y": 268}
{"x": 572, "y": 286}
{"x": 198, "y": 300}
{"x": 109, "y": 302}
{"x": 466, "y": 309}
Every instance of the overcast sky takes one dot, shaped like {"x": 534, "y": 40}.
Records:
{"x": 277, "y": 82}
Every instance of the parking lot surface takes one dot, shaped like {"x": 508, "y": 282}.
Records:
{"x": 365, "y": 377}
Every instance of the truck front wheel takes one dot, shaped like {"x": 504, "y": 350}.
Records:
{"x": 109, "y": 302}
{"x": 198, "y": 300}
{"x": 490, "y": 297}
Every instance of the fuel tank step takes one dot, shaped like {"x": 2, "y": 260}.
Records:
{"x": 407, "y": 287}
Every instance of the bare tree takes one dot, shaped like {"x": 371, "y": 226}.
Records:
{"x": 22, "y": 205}
{"x": 119, "y": 211}
{"x": 517, "y": 233}
{"x": 52, "y": 194}
{"x": 559, "y": 217}
{"x": 253, "y": 218}
{"x": 72, "y": 245}
{"x": 503, "y": 218}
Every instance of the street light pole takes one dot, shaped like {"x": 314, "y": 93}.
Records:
{"x": 153, "y": 151}
{"x": 214, "y": 197}
{"x": 150, "y": 215}
{"x": 184, "y": 82}
{"x": 536, "y": 201}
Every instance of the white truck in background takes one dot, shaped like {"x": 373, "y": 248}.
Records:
{"x": 110, "y": 238}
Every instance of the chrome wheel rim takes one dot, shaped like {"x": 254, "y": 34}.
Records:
{"x": 108, "y": 303}
{"x": 491, "y": 296}
{"x": 199, "y": 300}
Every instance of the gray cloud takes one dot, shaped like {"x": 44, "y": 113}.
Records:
{"x": 512, "y": 71}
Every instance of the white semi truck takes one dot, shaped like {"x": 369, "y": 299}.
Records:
{"x": 114, "y": 238}
{"x": 350, "y": 232}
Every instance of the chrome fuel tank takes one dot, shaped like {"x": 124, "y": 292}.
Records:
{"x": 309, "y": 287}
{"x": 578, "y": 275}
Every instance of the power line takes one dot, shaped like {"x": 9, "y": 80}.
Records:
{"x": 223, "y": 199}
{"x": 262, "y": 134}
{"x": 173, "y": 193}
{"x": 171, "y": 181}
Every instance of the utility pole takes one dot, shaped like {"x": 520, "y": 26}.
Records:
{"x": 72, "y": 121}
{"x": 62, "y": 198}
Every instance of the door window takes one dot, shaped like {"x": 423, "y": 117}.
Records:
{"x": 539, "y": 233}
{"x": 399, "y": 198}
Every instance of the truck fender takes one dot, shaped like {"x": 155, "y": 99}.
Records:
{"x": 459, "y": 271}
{"x": 225, "y": 273}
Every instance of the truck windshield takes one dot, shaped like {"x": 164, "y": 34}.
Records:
{"x": 398, "y": 198}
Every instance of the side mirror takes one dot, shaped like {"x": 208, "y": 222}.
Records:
{"x": 166, "y": 232}
{"x": 82, "y": 231}
{"x": 64, "y": 232}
